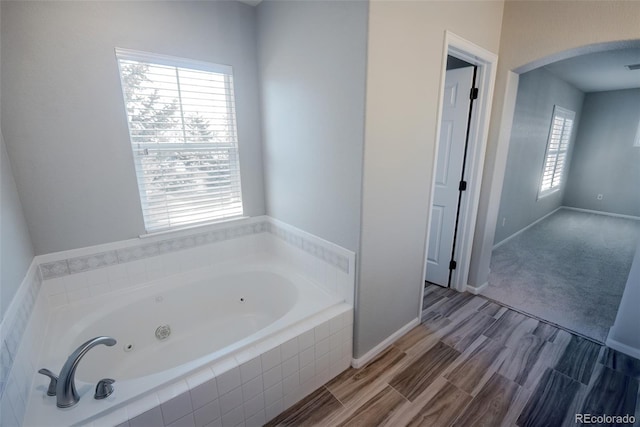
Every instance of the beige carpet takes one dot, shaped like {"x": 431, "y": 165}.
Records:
{"x": 569, "y": 269}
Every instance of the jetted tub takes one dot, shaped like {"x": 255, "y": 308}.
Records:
{"x": 170, "y": 328}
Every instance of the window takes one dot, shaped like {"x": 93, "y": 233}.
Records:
{"x": 182, "y": 127}
{"x": 555, "y": 157}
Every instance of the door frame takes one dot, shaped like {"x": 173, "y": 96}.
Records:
{"x": 486, "y": 62}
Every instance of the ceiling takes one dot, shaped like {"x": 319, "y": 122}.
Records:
{"x": 601, "y": 71}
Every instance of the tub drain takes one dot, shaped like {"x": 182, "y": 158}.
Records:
{"x": 163, "y": 332}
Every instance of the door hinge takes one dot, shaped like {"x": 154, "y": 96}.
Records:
{"x": 462, "y": 186}
{"x": 474, "y": 93}
{"x": 452, "y": 265}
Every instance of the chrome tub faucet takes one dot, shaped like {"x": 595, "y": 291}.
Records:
{"x": 63, "y": 386}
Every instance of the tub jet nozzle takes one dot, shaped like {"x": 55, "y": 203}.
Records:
{"x": 163, "y": 332}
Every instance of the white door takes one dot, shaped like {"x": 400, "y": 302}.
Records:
{"x": 453, "y": 130}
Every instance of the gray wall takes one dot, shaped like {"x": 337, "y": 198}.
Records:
{"x": 63, "y": 116}
{"x": 16, "y": 252}
{"x": 312, "y": 69}
{"x": 604, "y": 159}
{"x": 538, "y": 92}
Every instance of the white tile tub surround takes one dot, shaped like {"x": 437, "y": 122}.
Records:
{"x": 22, "y": 333}
{"x": 254, "y": 385}
{"x": 327, "y": 264}
{"x": 72, "y": 276}
{"x": 75, "y": 261}
{"x": 75, "y": 287}
{"x": 68, "y": 277}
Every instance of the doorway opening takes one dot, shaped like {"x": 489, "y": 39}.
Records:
{"x": 568, "y": 222}
{"x": 468, "y": 75}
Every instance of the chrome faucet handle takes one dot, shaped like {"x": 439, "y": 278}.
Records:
{"x": 66, "y": 393}
{"x": 104, "y": 388}
{"x": 51, "y": 391}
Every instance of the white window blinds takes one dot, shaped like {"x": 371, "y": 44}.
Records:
{"x": 555, "y": 157}
{"x": 182, "y": 127}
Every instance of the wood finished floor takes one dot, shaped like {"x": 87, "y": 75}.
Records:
{"x": 475, "y": 363}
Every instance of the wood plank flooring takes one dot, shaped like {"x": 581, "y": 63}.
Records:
{"x": 473, "y": 362}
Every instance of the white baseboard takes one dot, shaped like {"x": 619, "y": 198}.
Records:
{"x": 623, "y": 348}
{"x": 475, "y": 290}
{"x": 636, "y": 218}
{"x": 497, "y": 245}
{"x": 368, "y": 356}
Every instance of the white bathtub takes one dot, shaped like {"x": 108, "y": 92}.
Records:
{"x": 215, "y": 316}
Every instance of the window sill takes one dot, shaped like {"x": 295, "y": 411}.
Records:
{"x": 547, "y": 194}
